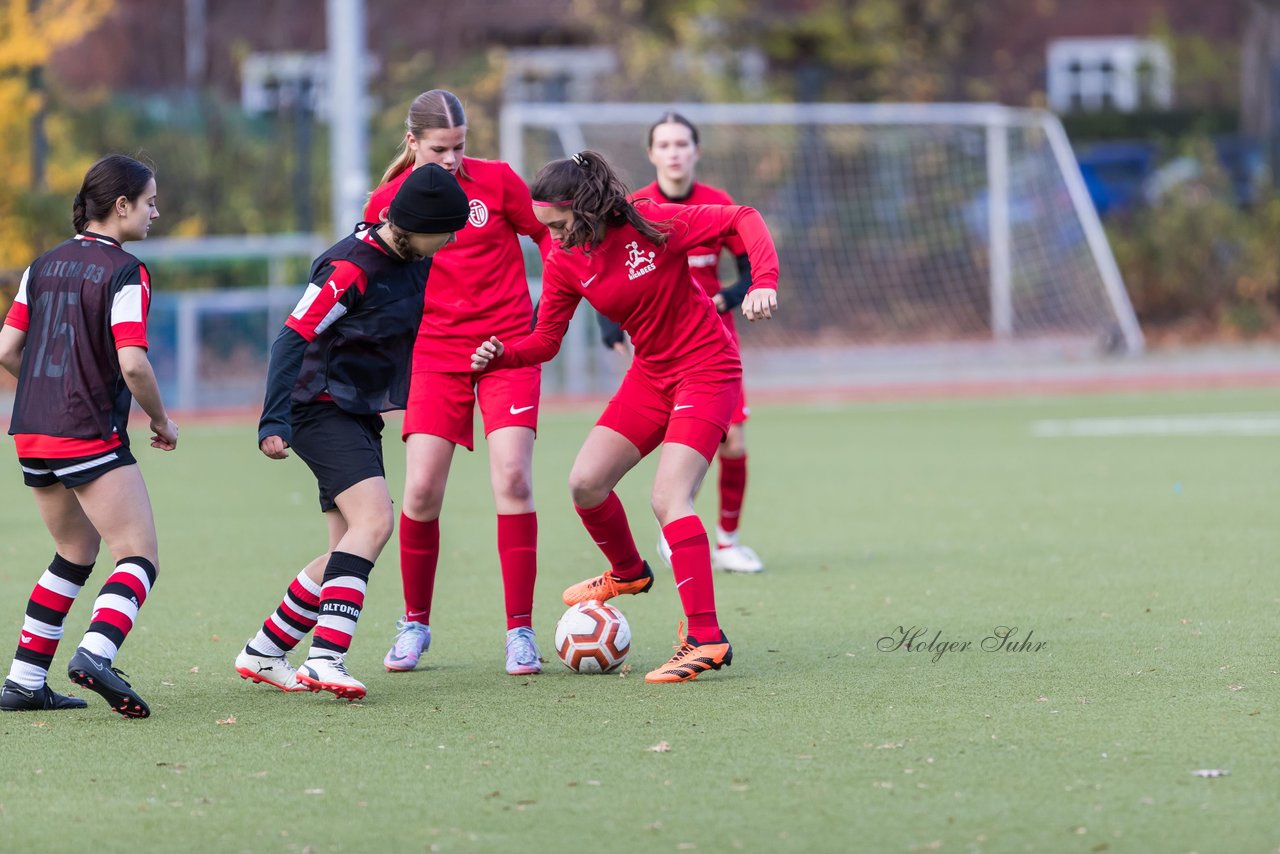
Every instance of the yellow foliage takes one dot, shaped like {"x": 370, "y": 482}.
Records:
{"x": 27, "y": 39}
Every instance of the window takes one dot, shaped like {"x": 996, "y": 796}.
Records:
{"x": 1123, "y": 74}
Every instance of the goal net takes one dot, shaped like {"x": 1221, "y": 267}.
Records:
{"x": 908, "y": 234}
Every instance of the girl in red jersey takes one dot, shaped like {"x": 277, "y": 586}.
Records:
{"x": 478, "y": 287}
{"x": 630, "y": 262}
{"x": 673, "y": 150}
{"x": 76, "y": 339}
{"x": 341, "y": 360}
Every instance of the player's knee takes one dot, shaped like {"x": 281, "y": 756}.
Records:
{"x": 423, "y": 499}
{"x": 513, "y": 482}
{"x": 668, "y": 504}
{"x": 587, "y": 491}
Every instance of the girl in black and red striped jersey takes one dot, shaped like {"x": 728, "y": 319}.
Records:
{"x": 630, "y": 262}
{"x": 674, "y": 152}
{"x": 340, "y": 361}
{"x": 76, "y": 339}
{"x": 478, "y": 287}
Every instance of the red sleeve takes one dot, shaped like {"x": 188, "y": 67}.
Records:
{"x": 555, "y": 310}
{"x": 19, "y": 317}
{"x": 129, "y": 309}
{"x": 518, "y": 208}
{"x": 697, "y": 225}
{"x": 337, "y": 289}
{"x": 733, "y": 243}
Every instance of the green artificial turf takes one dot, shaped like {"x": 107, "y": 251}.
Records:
{"x": 1144, "y": 567}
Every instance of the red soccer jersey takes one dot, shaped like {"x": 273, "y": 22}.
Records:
{"x": 477, "y": 284}
{"x": 704, "y": 261}
{"x": 647, "y": 289}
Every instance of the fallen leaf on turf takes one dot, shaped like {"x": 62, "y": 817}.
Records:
{"x": 1236, "y": 687}
{"x": 1210, "y": 772}
{"x": 313, "y": 791}
{"x": 660, "y": 747}
{"x": 229, "y": 719}
{"x": 624, "y": 670}
{"x": 215, "y": 638}
{"x": 194, "y": 670}
{"x": 40, "y": 724}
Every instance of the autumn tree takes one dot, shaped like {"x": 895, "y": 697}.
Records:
{"x": 42, "y": 164}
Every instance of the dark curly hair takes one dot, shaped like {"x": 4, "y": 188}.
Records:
{"x": 587, "y": 185}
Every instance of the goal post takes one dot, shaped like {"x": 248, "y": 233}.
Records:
{"x": 906, "y": 232}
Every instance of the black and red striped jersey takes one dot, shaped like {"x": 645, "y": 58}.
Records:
{"x": 79, "y": 303}
{"x": 350, "y": 337}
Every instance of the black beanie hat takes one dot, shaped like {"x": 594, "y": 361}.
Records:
{"x": 429, "y": 202}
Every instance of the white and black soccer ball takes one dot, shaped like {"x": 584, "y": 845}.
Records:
{"x": 593, "y": 637}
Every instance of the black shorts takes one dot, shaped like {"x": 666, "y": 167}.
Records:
{"x": 73, "y": 471}
{"x": 341, "y": 449}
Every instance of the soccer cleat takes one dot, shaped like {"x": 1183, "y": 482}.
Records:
{"x": 664, "y": 549}
{"x": 692, "y": 659}
{"x": 605, "y": 587}
{"x": 96, "y": 673}
{"x": 736, "y": 558}
{"x": 15, "y": 698}
{"x": 522, "y": 653}
{"x": 269, "y": 670}
{"x": 323, "y": 673}
{"x": 409, "y": 645}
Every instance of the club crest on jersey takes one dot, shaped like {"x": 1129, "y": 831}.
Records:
{"x": 479, "y": 214}
{"x": 639, "y": 262}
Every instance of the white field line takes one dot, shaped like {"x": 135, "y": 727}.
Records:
{"x": 1221, "y": 424}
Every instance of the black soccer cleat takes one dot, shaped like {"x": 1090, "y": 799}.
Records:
{"x": 15, "y": 698}
{"x": 96, "y": 673}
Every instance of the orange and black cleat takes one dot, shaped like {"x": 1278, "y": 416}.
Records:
{"x": 692, "y": 659}
{"x": 605, "y": 587}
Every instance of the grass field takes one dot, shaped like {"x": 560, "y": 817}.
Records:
{"x": 1144, "y": 565}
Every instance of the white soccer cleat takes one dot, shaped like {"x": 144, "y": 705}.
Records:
{"x": 664, "y": 549}
{"x": 269, "y": 670}
{"x": 736, "y": 559}
{"x": 323, "y": 673}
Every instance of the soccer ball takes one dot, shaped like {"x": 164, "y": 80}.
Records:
{"x": 593, "y": 637}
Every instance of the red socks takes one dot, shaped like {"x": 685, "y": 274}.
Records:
{"x": 607, "y": 525}
{"x": 733, "y": 486}
{"x": 691, "y": 565}
{"x": 419, "y": 556}
{"x": 518, "y": 555}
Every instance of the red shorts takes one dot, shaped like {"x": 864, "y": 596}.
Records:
{"x": 443, "y": 403}
{"x": 695, "y": 410}
{"x": 743, "y": 411}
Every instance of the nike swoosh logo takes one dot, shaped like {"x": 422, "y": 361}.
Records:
{"x": 588, "y": 281}
{"x": 517, "y": 410}
{"x": 684, "y": 406}
{"x": 599, "y": 542}
{"x": 686, "y": 581}
{"x": 25, "y": 638}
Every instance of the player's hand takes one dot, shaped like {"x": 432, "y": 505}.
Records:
{"x": 486, "y": 353}
{"x": 274, "y": 447}
{"x": 164, "y": 434}
{"x": 626, "y": 351}
{"x": 721, "y": 305}
{"x": 760, "y": 302}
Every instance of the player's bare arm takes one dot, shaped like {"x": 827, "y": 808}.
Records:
{"x": 12, "y": 341}
{"x": 138, "y": 375}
